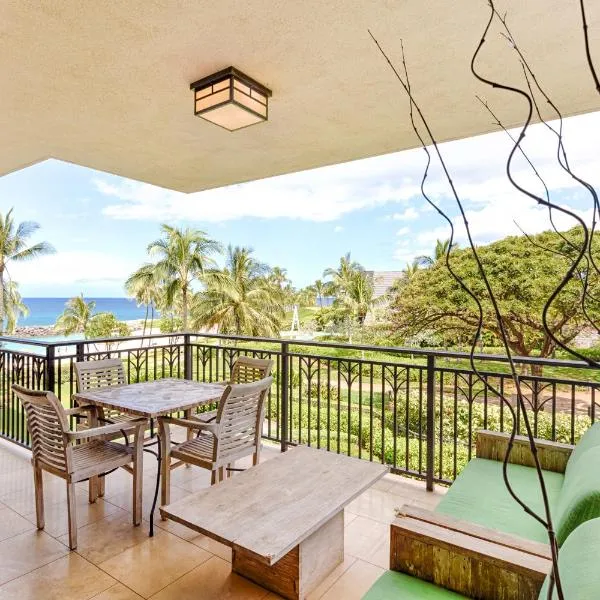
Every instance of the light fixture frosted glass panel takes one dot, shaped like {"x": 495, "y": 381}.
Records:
{"x": 231, "y": 99}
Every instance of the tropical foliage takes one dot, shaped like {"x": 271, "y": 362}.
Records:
{"x": 183, "y": 257}
{"x": 523, "y": 273}
{"x": 241, "y": 298}
{"x": 14, "y": 248}
{"x": 76, "y": 317}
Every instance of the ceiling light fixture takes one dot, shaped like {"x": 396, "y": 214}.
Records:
{"x": 231, "y": 99}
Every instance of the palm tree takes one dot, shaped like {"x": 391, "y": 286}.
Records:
{"x": 14, "y": 248}
{"x": 13, "y": 307}
{"x": 184, "y": 255}
{"x": 410, "y": 269}
{"x": 320, "y": 290}
{"x": 359, "y": 296}
{"x": 76, "y": 317}
{"x": 144, "y": 287}
{"x": 279, "y": 276}
{"x": 239, "y": 299}
{"x": 440, "y": 250}
{"x": 341, "y": 277}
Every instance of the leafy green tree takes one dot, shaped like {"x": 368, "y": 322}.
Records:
{"x": 359, "y": 296}
{"x": 184, "y": 256}
{"x": 278, "y": 276}
{"x": 341, "y": 276}
{"x": 76, "y": 316}
{"x": 14, "y": 307}
{"x": 439, "y": 252}
{"x": 239, "y": 299}
{"x": 106, "y": 325}
{"x": 523, "y": 274}
{"x": 410, "y": 269}
{"x": 14, "y": 248}
{"x": 144, "y": 286}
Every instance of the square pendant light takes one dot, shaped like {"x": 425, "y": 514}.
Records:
{"x": 231, "y": 99}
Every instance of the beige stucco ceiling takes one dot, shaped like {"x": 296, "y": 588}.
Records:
{"x": 105, "y": 84}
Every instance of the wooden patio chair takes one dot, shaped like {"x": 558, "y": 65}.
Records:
{"x": 245, "y": 370}
{"x": 77, "y": 455}
{"x": 236, "y": 433}
{"x": 96, "y": 374}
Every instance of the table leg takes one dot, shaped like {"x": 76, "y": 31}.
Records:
{"x": 302, "y": 569}
{"x": 158, "y": 470}
{"x": 164, "y": 431}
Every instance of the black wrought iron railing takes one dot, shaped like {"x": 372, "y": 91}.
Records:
{"x": 416, "y": 410}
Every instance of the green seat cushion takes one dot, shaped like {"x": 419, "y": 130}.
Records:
{"x": 399, "y": 586}
{"x": 578, "y": 564}
{"x": 479, "y": 495}
{"x": 579, "y": 499}
{"x": 590, "y": 439}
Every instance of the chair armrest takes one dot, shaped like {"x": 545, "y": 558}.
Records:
{"x": 192, "y": 424}
{"x": 478, "y": 531}
{"x": 224, "y": 383}
{"x": 106, "y": 429}
{"x": 463, "y": 563}
{"x": 553, "y": 456}
{"x": 70, "y": 412}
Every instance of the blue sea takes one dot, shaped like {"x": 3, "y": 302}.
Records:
{"x": 45, "y": 311}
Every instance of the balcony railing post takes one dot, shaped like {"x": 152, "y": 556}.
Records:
{"x": 187, "y": 357}
{"x": 50, "y": 374}
{"x": 430, "y": 454}
{"x": 283, "y": 383}
{"x": 80, "y": 352}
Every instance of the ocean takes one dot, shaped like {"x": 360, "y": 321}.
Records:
{"x": 45, "y": 311}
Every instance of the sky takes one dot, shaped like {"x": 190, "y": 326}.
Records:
{"x": 101, "y": 224}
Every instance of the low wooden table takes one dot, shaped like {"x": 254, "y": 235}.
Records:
{"x": 284, "y": 519}
{"x": 153, "y": 399}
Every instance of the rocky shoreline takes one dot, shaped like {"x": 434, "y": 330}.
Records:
{"x": 34, "y": 331}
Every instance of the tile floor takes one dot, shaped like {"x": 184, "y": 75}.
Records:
{"x": 116, "y": 561}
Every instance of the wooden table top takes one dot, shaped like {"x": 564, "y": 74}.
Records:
{"x": 269, "y": 509}
{"x": 153, "y": 399}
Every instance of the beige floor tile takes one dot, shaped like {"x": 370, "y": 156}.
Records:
{"x": 124, "y": 499}
{"x": 212, "y": 546}
{"x": 349, "y": 517}
{"x": 155, "y": 563}
{"x": 377, "y": 505}
{"x": 108, "y": 537}
{"x": 27, "y": 551}
{"x": 57, "y": 517}
{"x": 212, "y": 580}
{"x": 318, "y": 592}
{"x": 68, "y": 578}
{"x": 21, "y": 495}
{"x": 12, "y": 523}
{"x": 117, "y": 592}
{"x": 364, "y": 539}
{"x": 354, "y": 583}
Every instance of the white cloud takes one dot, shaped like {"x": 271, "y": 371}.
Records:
{"x": 73, "y": 267}
{"x": 409, "y": 214}
{"x": 403, "y": 231}
{"x": 338, "y": 229}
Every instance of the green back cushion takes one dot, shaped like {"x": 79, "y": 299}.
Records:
{"x": 578, "y": 564}
{"x": 579, "y": 499}
{"x": 399, "y": 586}
{"x": 479, "y": 495}
{"x": 590, "y": 439}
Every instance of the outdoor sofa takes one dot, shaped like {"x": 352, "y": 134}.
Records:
{"x": 479, "y": 540}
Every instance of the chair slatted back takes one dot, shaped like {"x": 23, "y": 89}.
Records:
{"x": 47, "y": 424}
{"x": 94, "y": 374}
{"x": 248, "y": 370}
{"x": 239, "y": 419}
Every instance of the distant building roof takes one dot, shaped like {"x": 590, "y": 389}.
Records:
{"x": 383, "y": 281}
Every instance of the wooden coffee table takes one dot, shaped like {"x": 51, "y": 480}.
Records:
{"x": 284, "y": 519}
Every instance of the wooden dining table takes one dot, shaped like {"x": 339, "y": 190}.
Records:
{"x": 152, "y": 400}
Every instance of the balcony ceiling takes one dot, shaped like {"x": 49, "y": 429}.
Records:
{"x": 106, "y": 84}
